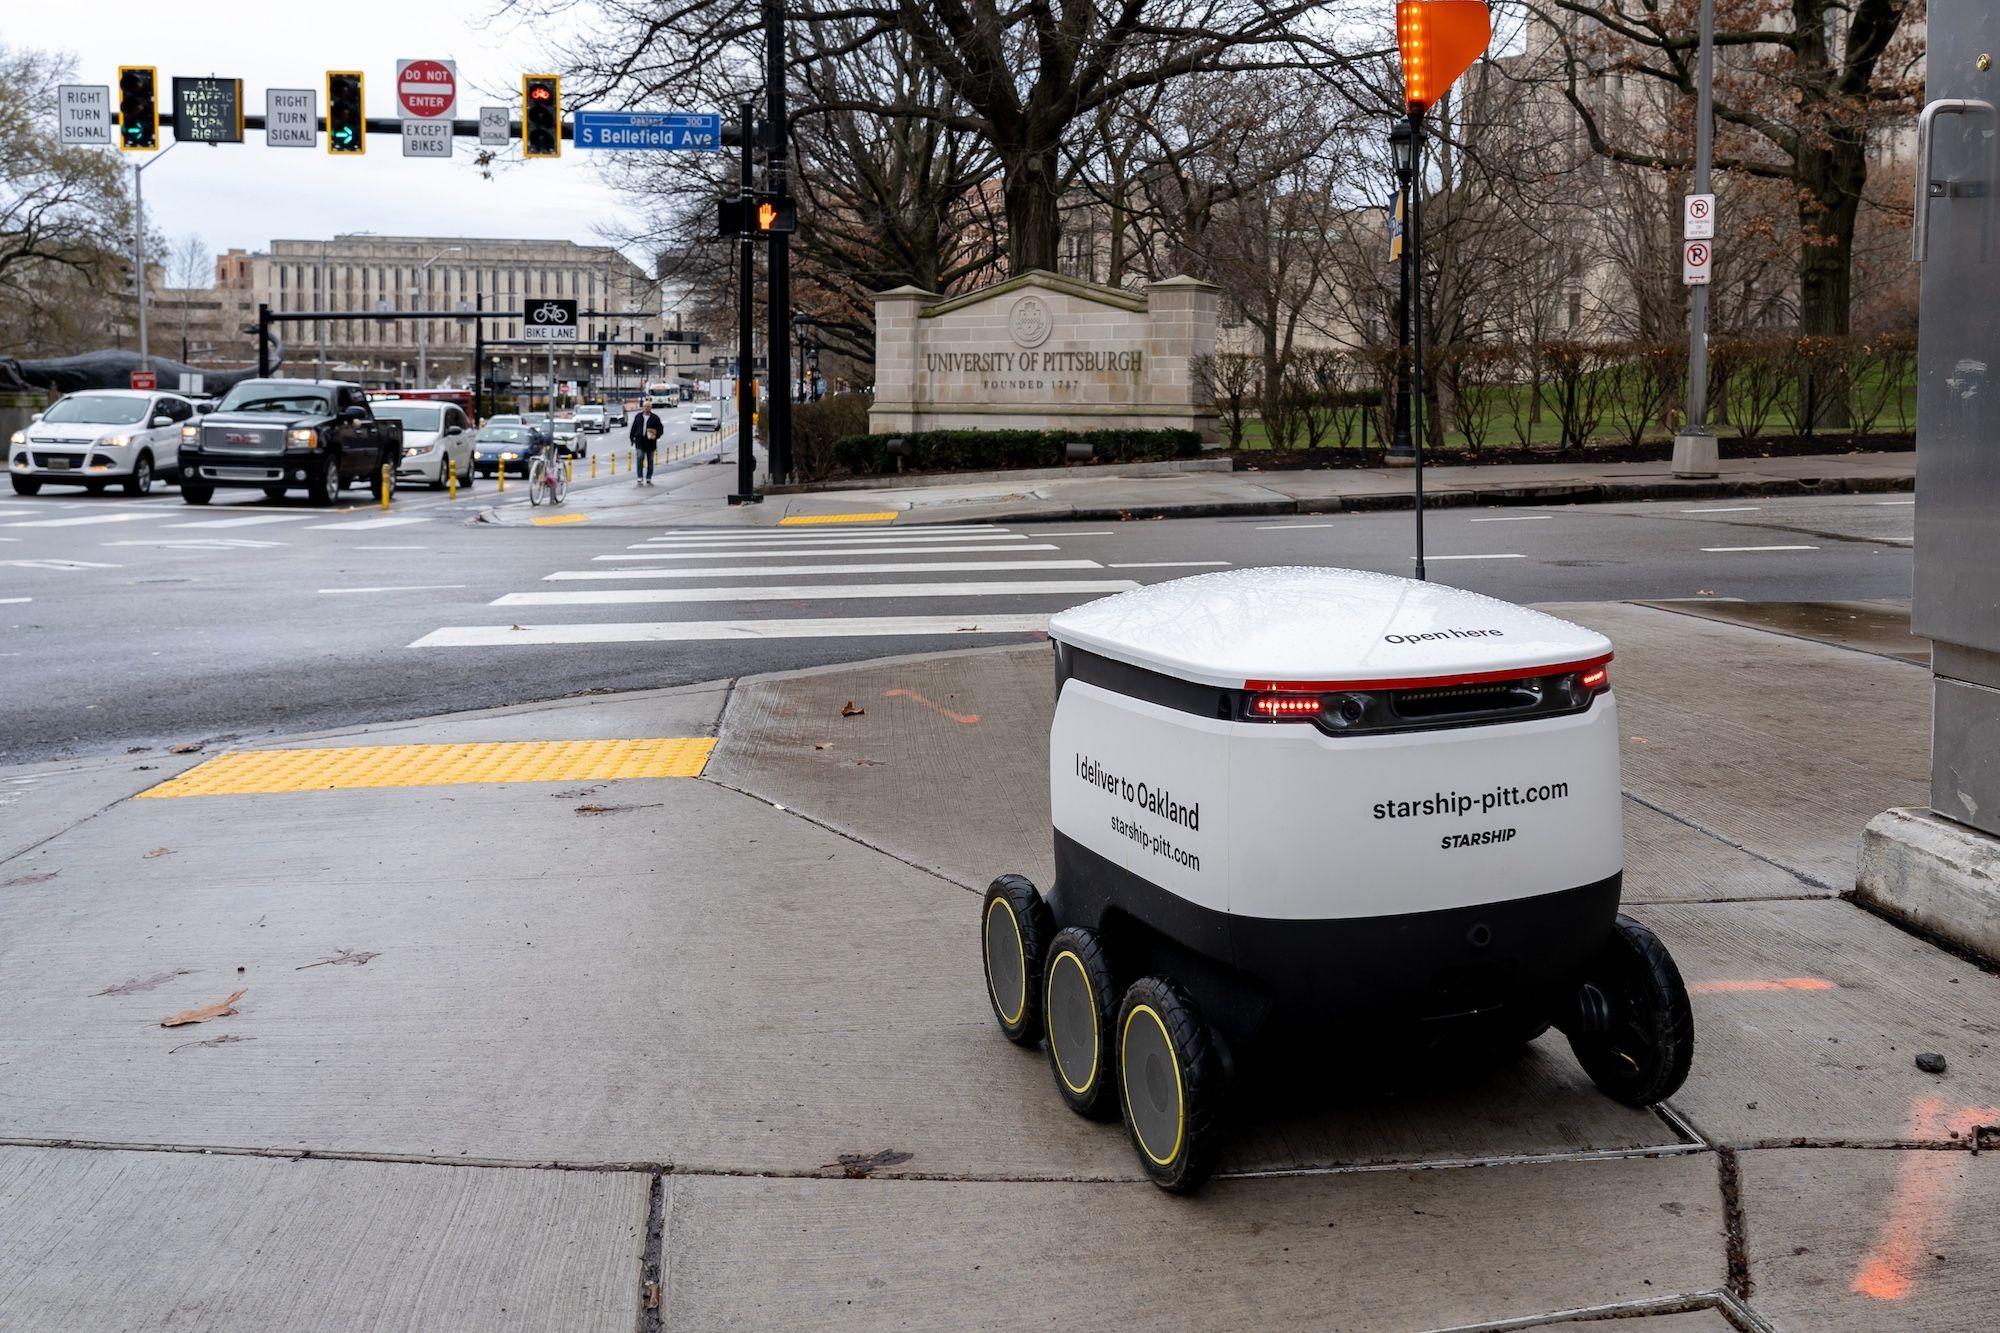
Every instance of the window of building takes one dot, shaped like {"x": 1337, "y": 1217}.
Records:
{"x": 1575, "y": 309}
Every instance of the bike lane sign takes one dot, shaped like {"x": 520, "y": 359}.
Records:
{"x": 550, "y": 320}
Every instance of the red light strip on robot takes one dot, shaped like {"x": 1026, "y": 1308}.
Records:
{"x": 1429, "y": 682}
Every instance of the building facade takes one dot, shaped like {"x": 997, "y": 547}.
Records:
{"x": 384, "y": 275}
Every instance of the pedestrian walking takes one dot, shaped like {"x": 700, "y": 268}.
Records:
{"x": 646, "y": 432}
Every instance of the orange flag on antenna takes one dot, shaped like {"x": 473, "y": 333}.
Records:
{"x": 1439, "y": 40}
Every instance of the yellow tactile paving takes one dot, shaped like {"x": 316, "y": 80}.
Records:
{"x": 796, "y": 520}
{"x": 551, "y": 520}
{"x": 256, "y": 772}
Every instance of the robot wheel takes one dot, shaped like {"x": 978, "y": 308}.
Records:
{"x": 1632, "y": 1028}
{"x": 1014, "y": 930}
{"x": 1170, "y": 1084}
{"x": 1080, "y": 1007}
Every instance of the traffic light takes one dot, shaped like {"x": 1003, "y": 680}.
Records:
{"x": 138, "y": 108}
{"x": 541, "y": 115}
{"x": 346, "y": 120}
{"x": 777, "y": 214}
{"x": 729, "y": 217}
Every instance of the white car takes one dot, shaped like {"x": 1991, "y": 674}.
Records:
{"x": 592, "y": 418}
{"x": 97, "y": 436}
{"x": 432, "y": 434}
{"x": 706, "y": 416}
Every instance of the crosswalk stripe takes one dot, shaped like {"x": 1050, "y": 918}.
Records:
{"x": 899, "y": 531}
{"x": 775, "y": 539}
{"x": 756, "y": 571}
{"x": 841, "y": 551}
{"x": 81, "y": 520}
{"x": 362, "y": 525}
{"x": 819, "y": 592}
{"x": 248, "y": 521}
{"x": 691, "y": 631}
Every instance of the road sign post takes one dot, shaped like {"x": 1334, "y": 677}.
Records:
{"x": 427, "y": 89}
{"x": 1697, "y": 258}
{"x": 1698, "y": 217}
{"x": 549, "y": 320}
{"x": 208, "y": 110}
{"x": 1695, "y": 451}
{"x": 495, "y": 127}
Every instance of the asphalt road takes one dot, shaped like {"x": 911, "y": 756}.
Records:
{"x": 128, "y": 623}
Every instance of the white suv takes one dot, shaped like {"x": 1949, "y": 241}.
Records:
{"x": 706, "y": 416}
{"x": 94, "y": 437}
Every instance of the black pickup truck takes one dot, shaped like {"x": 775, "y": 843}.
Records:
{"x": 313, "y": 435}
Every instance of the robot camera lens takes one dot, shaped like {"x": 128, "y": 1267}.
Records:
{"x": 1350, "y": 710}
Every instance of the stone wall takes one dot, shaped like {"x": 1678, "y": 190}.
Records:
{"x": 1042, "y": 352}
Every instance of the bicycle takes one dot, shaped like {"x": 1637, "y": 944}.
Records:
{"x": 547, "y": 479}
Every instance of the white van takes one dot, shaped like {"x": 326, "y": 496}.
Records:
{"x": 706, "y": 416}
{"x": 94, "y": 437}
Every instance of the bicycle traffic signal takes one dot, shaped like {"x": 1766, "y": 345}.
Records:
{"x": 138, "y": 108}
{"x": 346, "y": 121}
{"x": 541, "y": 115}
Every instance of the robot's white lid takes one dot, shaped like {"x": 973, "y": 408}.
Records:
{"x": 1243, "y": 627}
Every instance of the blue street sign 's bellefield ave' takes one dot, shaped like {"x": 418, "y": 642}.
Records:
{"x": 648, "y": 130}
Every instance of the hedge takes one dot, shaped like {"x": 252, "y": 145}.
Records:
{"x": 980, "y": 450}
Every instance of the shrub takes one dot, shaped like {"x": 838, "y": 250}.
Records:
{"x": 1757, "y": 371}
{"x": 818, "y": 426}
{"x": 1818, "y": 382}
{"x": 981, "y": 450}
{"x": 1643, "y": 385}
{"x": 1576, "y": 388}
{"x": 1228, "y": 383}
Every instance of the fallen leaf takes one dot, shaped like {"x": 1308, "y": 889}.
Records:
{"x": 205, "y": 1013}
{"x": 212, "y": 1041}
{"x": 159, "y": 851}
{"x": 858, "y": 1165}
{"x": 1638, "y": 740}
{"x": 349, "y": 956}
{"x": 192, "y": 747}
{"x": 616, "y": 809}
{"x": 38, "y": 877}
{"x": 137, "y": 984}
{"x": 652, "y": 1294}
{"x": 849, "y": 710}
{"x": 520, "y": 627}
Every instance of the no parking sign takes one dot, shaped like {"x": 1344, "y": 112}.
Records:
{"x": 1696, "y": 259}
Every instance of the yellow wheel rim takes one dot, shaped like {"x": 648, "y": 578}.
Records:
{"x": 1020, "y": 952}
{"x": 1180, "y": 1092}
{"x": 1096, "y": 1038}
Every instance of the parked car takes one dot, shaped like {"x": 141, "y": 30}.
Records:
{"x": 499, "y": 446}
{"x": 591, "y": 417}
{"x": 706, "y": 416}
{"x": 283, "y": 434}
{"x": 434, "y": 434}
{"x": 98, "y": 436}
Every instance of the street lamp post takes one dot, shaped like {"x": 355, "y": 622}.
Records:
{"x": 424, "y": 294}
{"x": 800, "y": 322}
{"x": 1695, "y": 450}
{"x": 1406, "y": 142}
{"x": 1402, "y": 153}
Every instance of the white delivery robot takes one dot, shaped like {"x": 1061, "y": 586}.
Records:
{"x": 1320, "y": 806}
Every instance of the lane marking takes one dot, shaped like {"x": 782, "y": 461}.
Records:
{"x": 398, "y": 587}
{"x": 804, "y": 520}
{"x": 819, "y": 592}
{"x": 808, "y": 536}
{"x": 82, "y": 520}
{"x": 392, "y": 548}
{"x": 14, "y": 601}
{"x": 827, "y": 539}
{"x": 1289, "y": 527}
{"x": 1171, "y": 564}
{"x": 792, "y": 553}
{"x": 1731, "y": 509}
{"x": 259, "y": 772}
{"x": 1507, "y": 556}
{"x": 58, "y": 564}
{"x": 361, "y": 525}
{"x": 1892, "y": 502}
{"x": 885, "y": 567}
{"x": 696, "y": 631}
{"x": 1723, "y": 549}
{"x": 247, "y": 522}
{"x": 1515, "y": 518}
{"x": 552, "y": 520}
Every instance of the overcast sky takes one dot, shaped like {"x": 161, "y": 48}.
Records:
{"x": 246, "y": 194}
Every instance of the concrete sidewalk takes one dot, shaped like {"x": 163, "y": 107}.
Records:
{"x": 613, "y": 1053}
{"x": 1099, "y": 494}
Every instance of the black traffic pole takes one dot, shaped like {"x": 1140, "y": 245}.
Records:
{"x": 746, "y": 318}
{"x": 777, "y": 343}
{"x": 1401, "y": 147}
{"x": 263, "y": 341}
{"x": 478, "y": 359}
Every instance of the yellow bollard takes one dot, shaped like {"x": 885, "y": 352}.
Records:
{"x": 501, "y": 472}
{"x": 611, "y": 464}
{"x": 451, "y": 478}
{"x": 593, "y": 467}
{"x": 628, "y": 460}
{"x": 569, "y": 470}
{"x": 388, "y": 480}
